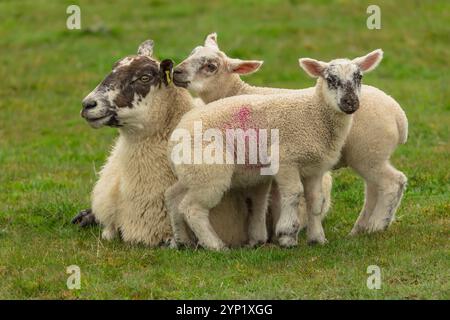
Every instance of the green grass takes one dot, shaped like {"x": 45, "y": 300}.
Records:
{"x": 48, "y": 155}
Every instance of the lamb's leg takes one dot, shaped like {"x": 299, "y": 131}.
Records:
{"x": 314, "y": 204}
{"x": 289, "y": 186}
{"x": 257, "y": 228}
{"x": 173, "y": 197}
{"x": 327, "y": 183}
{"x": 196, "y": 212}
{"x": 84, "y": 218}
{"x": 109, "y": 232}
{"x": 391, "y": 184}
{"x": 273, "y": 211}
{"x": 370, "y": 201}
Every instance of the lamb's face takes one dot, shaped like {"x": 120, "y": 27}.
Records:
{"x": 204, "y": 67}
{"x": 207, "y": 69}
{"x": 341, "y": 79}
{"x": 342, "y": 86}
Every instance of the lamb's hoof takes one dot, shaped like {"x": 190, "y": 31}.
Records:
{"x": 319, "y": 240}
{"x": 108, "y": 234}
{"x": 168, "y": 243}
{"x": 172, "y": 244}
{"x": 378, "y": 225}
{"x": 219, "y": 246}
{"x": 357, "y": 230}
{"x": 84, "y": 218}
{"x": 287, "y": 241}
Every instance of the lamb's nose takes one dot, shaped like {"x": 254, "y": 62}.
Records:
{"x": 175, "y": 71}
{"x": 89, "y": 104}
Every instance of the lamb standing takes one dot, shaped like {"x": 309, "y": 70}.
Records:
{"x": 312, "y": 128}
{"x": 137, "y": 98}
{"x": 379, "y": 127}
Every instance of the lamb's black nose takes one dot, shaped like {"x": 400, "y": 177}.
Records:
{"x": 89, "y": 104}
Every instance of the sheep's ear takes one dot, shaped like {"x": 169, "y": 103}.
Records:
{"x": 166, "y": 71}
{"x": 313, "y": 67}
{"x": 211, "y": 40}
{"x": 146, "y": 48}
{"x": 369, "y": 61}
{"x": 243, "y": 66}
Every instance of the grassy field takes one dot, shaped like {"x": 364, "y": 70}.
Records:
{"x": 49, "y": 155}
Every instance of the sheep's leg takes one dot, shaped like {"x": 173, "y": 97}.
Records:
{"x": 196, "y": 212}
{"x": 273, "y": 211}
{"x": 257, "y": 228}
{"x": 327, "y": 183}
{"x": 84, "y": 218}
{"x": 370, "y": 201}
{"x": 327, "y": 186}
{"x": 314, "y": 204}
{"x": 289, "y": 186}
{"x": 391, "y": 184}
{"x": 173, "y": 197}
{"x": 109, "y": 232}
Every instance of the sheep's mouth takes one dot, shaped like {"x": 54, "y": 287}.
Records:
{"x": 108, "y": 120}
{"x": 179, "y": 83}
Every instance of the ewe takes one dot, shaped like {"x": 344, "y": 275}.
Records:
{"x": 378, "y": 127}
{"x": 312, "y": 126}
{"x": 139, "y": 100}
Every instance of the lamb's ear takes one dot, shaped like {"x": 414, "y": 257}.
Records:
{"x": 369, "y": 61}
{"x": 313, "y": 67}
{"x": 146, "y": 48}
{"x": 211, "y": 40}
{"x": 243, "y": 66}
{"x": 166, "y": 71}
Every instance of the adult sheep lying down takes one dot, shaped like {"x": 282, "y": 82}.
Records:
{"x": 138, "y": 99}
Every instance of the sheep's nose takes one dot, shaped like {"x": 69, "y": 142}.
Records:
{"x": 177, "y": 71}
{"x": 89, "y": 104}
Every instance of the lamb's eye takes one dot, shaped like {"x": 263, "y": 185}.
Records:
{"x": 333, "y": 81}
{"x": 145, "y": 78}
{"x": 210, "y": 67}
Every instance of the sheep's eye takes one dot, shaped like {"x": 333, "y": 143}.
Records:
{"x": 333, "y": 81}
{"x": 210, "y": 67}
{"x": 145, "y": 78}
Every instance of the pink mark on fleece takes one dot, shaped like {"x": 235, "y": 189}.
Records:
{"x": 242, "y": 119}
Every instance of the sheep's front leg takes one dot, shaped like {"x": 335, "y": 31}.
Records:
{"x": 289, "y": 187}
{"x": 195, "y": 206}
{"x": 173, "y": 197}
{"x": 314, "y": 203}
{"x": 257, "y": 228}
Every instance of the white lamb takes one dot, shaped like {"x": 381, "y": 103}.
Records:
{"x": 137, "y": 98}
{"x": 312, "y": 128}
{"x": 379, "y": 127}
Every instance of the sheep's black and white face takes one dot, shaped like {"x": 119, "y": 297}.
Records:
{"x": 341, "y": 87}
{"x": 124, "y": 97}
{"x": 207, "y": 68}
